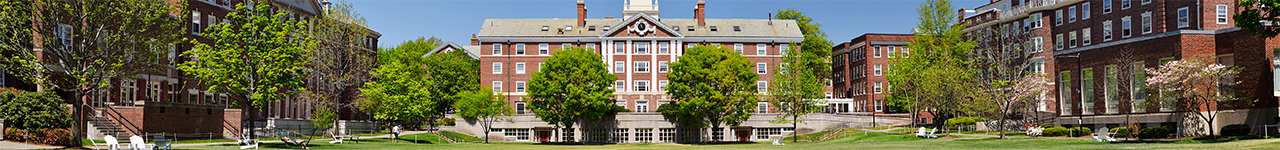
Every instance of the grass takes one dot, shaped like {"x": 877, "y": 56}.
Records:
{"x": 853, "y": 140}
{"x": 86, "y": 142}
{"x": 459, "y": 137}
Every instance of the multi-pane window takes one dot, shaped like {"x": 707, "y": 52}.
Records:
{"x": 1138, "y": 82}
{"x": 642, "y": 86}
{"x": 906, "y": 51}
{"x": 1222, "y": 14}
{"x": 1072, "y": 41}
{"x": 520, "y": 86}
{"x": 642, "y": 106}
{"x": 1126, "y": 26}
{"x": 644, "y": 135}
{"x": 497, "y": 68}
{"x": 642, "y": 66}
{"x": 195, "y": 22}
{"x": 1085, "y": 36}
{"x": 497, "y": 86}
{"x": 890, "y": 52}
{"x": 544, "y": 49}
{"x": 1106, "y": 30}
{"x": 1183, "y": 17}
{"x": 782, "y": 49}
{"x": 642, "y": 47}
{"x": 1146, "y": 23}
{"x": 1106, "y": 6}
{"x": 566, "y": 46}
{"x": 877, "y": 87}
{"x": 153, "y": 88}
{"x": 1084, "y": 11}
{"x": 762, "y": 107}
{"x": 1113, "y": 91}
{"x": 667, "y": 135}
{"x": 662, "y": 85}
{"x": 566, "y": 134}
{"x": 619, "y": 85}
{"x": 761, "y": 49}
{"x": 1166, "y": 107}
{"x": 1036, "y": 44}
{"x": 128, "y": 91}
{"x": 762, "y": 68}
{"x": 1124, "y": 4}
{"x": 1072, "y": 14}
{"x": 619, "y": 135}
{"x": 1065, "y": 90}
{"x": 520, "y": 134}
{"x": 520, "y": 107}
{"x": 591, "y": 46}
{"x": 877, "y": 70}
{"x": 1057, "y": 41}
{"x": 619, "y": 67}
{"x": 497, "y": 49}
{"x": 877, "y": 52}
{"x": 519, "y": 49}
{"x": 663, "y": 48}
{"x": 1086, "y": 83}
{"x": 738, "y": 47}
{"x": 520, "y": 68}
{"x": 619, "y": 47}
{"x": 1144, "y": 2}
{"x": 1057, "y": 17}
{"x": 662, "y": 67}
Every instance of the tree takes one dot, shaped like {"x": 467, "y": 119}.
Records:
{"x": 108, "y": 40}
{"x": 712, "y": 86}
{"x": 935, "y": 77}
{"x": 396, "y": 93}
{"x": 485, "y": 107}
{"x": 261, "y": 55}
{"x": 450, "y": 74}
{"x": 1259, "y": 17}
{"x": 797, "y": 88}
{"x": 815, "y": 41}
{"x": 1197, "y": 87}
{"x": 1002, "y": 62}
{"x": 572, "y": 85}
{"x": 340, "y": 66}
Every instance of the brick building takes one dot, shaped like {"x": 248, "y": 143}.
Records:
{"x": 859, "y": 67}
{"x": 1095, "y": 49}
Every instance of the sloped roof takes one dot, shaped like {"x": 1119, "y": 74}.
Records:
{"x": 533, "y": 27}
{"x": 468, "y": 49}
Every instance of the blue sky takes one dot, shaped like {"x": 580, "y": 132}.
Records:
{"x": 456, "y": 20}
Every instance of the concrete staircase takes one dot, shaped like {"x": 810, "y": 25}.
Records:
{"x": 101, "y": 127}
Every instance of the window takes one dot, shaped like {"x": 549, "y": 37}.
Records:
{"x": 1144, "y": 2}
{"x": 545, "y": 28}
{"x": 642, "y": 66}
{"x": 828, "y": 95}
{"x": 619, "y": 85}
{"x": 762, "y": 68}
{"x": 877, "y": 87}
{"x": 642, "y": 106}
{"x": 1106, "y": 6}
{"x": 667, "y": 135}
{"x": 690, "y": 28}
{"x": 782, "y": 49}
{"x": 1124, "y": 4}
{"x": 568, "y": 28}
{"x": 153, "y": 88}
{"x": 591, "y": 28}
{"x": 906, "y": 51}
{"x": 1113, "y": 91}
{"x": 1036, "y": 44}
{"x": 1222, "y": 14}
{"x": 662, "y": 85}
{"x": 1146, "y": 23}
{"x": 520, "y": 68}
{"x": 1086, "y": 84}
{"x": 1035, "y": 21}
{"x": 497, "y": 86}
{"x": 762, "y": 86}
{"x": 761, "y": 49}
{"x": 591, "y": 46}
{"x": 519, "y": 49}
{"x": 1057, "y": 18}
{"x": 1125, "y": 26}
{"x": 762, "y": 107}
{"x": 662, "y": 67}
{"x": 876, "y": 54}
{"x": 1071, "y": 16}
{"x": 1065, "y": 91}
{"x": 713, "y": 28}
{"x": 497, "y": 49}
{"x": 606, "y": 28}
{"x": 1072, "y": 35}
{"x": 619, "y": 67}
{"x": 497, "y": 68}
{"x": 890, "y": 51}
{"x": 879, "y": 105}
{"x": 1223, "y": 87}
{"x": 192, "y": 98}
{"x": 566, "y": 46}
{"x": 128, "y": 92}
{"x": 1183, "y": 17}
{"x": 642, "y": 47}
{"x": 783, "y": 67}
{"x": 1084, "y": 11}
{"x": 642, "y": 86}
{"x": 195, "y": 22}
{"x": 543, "y": 49}
{"x": 736, "y": 28}
{"x": 1106, "y": 30}
{"x": 877, "y": 70}
{"x": 1166, "y": 107}
{"x": 539, "y": 66}
{"x": 1139, "y": 84}
{"x": 1084, "y": 36}
{"x": 520, "y": 86}
{"x": 662, "y": 48}
{"x": 619, "y": 47}
{"x": 620, "y": 135}
{"x": 520, "y": 134}
{"x": 738, "y": 47}
{"x": 1057, "y": 41}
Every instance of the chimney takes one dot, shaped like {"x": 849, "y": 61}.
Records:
{"x": 475, "y": 41}
{"x": 961, "y": 14}
{"x": 700, "y": 13}
{"x": 582, "y": 14}
{"x": 770, "y": 18}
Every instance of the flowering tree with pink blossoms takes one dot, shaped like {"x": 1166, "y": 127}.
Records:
{"x": 1194, "y": 86}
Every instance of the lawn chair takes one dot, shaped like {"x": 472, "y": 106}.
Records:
{"x": 247, "y": 141}
{"x": 96, "y": 144}
{"x": 296, "y": 139}
{"x": 162, "y": 142}
{"x": 336, "y": 138}
{"x": 930, "y": 135}
{"x": 112, "y": 143}
{"x": 1035, "y": 131}
{"x": 1102, "y": 136}
{"x": 137, "y": 143}
{"x": 920, "y": 133}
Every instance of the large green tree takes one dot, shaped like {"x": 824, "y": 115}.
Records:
{"x": 796, "y": 89}
{"x": 80, "y": 46}
{"x": 449, "y": 74}
{"x": 712, "y": 86}
{"x": 573, "y": 85}
{"x": 1259, "y": 17}
{"x": 934, "y": 78}
{"x": 340, "y": 65}
{"x": 261, "y": 54}
{"x": 484, "y": 107}
{"x": 397, "y": 94}
{"x": 815, "y": 42}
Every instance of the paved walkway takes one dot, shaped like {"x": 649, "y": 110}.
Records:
{"x": 1009, "y": 136}
{"x": 14, "y": 145}
{"x": 274, "y": 141}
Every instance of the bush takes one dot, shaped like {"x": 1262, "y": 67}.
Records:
{"x": 1080, "y": 131}
{"x": 1055, "y": 131}
{"x": 1120, "y": 132}
{"x": 14, "y": 134}
{"x": 1154, "y": 132}
{"x": 33, "y": 110}
{"x": 448, "y": 122}
{"x": 1235, "y": 129}
{"x": 43, "y": 136}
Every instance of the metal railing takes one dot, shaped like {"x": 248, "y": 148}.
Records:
{"x": 123, "y": 123}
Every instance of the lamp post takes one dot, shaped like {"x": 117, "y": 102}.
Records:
{"x": 1080, "y": 119}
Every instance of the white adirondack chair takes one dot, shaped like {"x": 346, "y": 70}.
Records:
{"x": 137, "y": 143}
{"x": 336, "y": 138}
{"x": 112, "y": 143}
{"x": 920, "y": 133}
{"x": 930, "y": 135}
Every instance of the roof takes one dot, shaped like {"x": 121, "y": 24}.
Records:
{"x": 533, "y": 27}
{"x": 309, "y": 6}
{"x": 468, "y": 49}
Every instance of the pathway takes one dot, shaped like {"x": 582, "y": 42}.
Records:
{"x": 14, "y": 145}
{"x": 234, "y": 143}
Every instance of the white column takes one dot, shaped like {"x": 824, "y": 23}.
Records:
{"x": 628, "y": 51}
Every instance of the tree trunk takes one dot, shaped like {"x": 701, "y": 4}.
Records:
{"x": 793, "y": 129}
{"x": 78, "y": 128}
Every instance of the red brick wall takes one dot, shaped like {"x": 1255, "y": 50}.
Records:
{"x": 186, "y": 121}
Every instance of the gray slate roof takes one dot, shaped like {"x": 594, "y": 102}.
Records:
{"x": 533, "y": 27}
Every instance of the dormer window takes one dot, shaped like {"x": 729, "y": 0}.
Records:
{"x": 568, "y": 28}
{"x": 713, "y": 28}
{"x": 737, "y": 28}
{"x": 545, "y": 28}
{"x": 606, "y": 28}
{"x": 591, "y": 28}
{"x": 690, "y": 28}
{"x": 677, "y": 28}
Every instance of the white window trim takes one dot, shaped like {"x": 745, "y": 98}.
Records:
{"x": 762, "y": 68}
{"x": 1222, "y": 14}
{"x": 1057, "y": 18}
{"x": 1107, "y": 31}
{"x": 1085, "y": 38}
{"x": 876, "y": 54}
{"x": 1072, "y": 39}
{"x": 1106, "y": 6}
{"x": 664, "y": 48}
{"x": 520, "y": 68}
{"x": 738, "y": 47}
{"x": 544, "y": 49}
{"x": 889, "y": 51}
{"x": 1148, "y": 23}
{"x": 497, "y": 49}
{"x": 641, "y": 66}
{"x": 1071, "y": 17}
{"x": 521, "y": 86}
{"x": 641, "y": 47}
{"x": 497, "y": 68}
{"x": 878, "y": 71}
{"x": 762, "y": 86}
{"x": 761, "y": 50}
{"x": 663, "y": 67}
{"x": 497, "y": 86}
{"x": 642, "y": 86}
{"x": 662, "y": 85}
{"x": 619, "y": 67}
{"x": 520, "y": 49}
{"x": 1123, "y": 27}
{"x": 1058, "y": 42}
{"x": 1084, "y": 11}
{"x": 1125, "y": 4}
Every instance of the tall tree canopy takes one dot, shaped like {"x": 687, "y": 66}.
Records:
{"x": 795, "y": 88}
{"x": 712, "y": 86}
{"x": 450, "y": 75}
{"x": 341, "y": 64}
{"x": 934, "y": 77}
{"x": 1194, "y": 85}
{"x": 572, "y": 85}
{"x": 815, "y": 42}
{"x": 1259, "y": 17}
{"x": 484, "y": 107}
{"x": 108, "y": 40}
{"x": 397, "y": 92}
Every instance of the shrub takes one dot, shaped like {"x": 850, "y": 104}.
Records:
{"x": 33, "y": 110}
{"x": 1235, "y": 129}
{"x": 1120, "y": 132}
{"x": 1055, "y": 131}
{"x": 14, "y": 134}
{"x": 1080, "y": 131}
{"x": 1154, "y": 132}
{"x": 448, "y": 122}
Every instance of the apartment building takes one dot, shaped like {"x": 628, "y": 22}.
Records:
{"x": 859, "y": 72}
{"x": 1096, "y": 51}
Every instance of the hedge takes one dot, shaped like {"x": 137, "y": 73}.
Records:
{"x": 1120, "y": 132}
{"x": 1235, "y": 129}
{"x": 43, "y": 136}
{"x": 1081, "y": 131}
{"x": 1055, "y": 131}
{"x": 1154, "y": 132}
{"x": 33, "y": 110}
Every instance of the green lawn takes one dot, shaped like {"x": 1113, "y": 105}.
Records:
{"x": 852, "y": 140}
